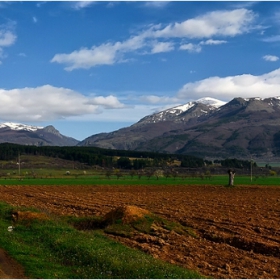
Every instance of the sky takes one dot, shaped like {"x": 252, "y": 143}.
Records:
{"x": 92, "y": 67}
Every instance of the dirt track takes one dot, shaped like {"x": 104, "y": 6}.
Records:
{"x": 238, "y": 229}
{"x": 9, "y": 269}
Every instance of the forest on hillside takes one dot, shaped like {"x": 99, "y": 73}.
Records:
{"x": 109, "y": 158}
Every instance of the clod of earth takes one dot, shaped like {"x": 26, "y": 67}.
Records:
{"x": 27, "y": 216}
{"x": 127, "y": 214}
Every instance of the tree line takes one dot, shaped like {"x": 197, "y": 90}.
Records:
{"x": 109, "y": 158}
{"x": 101, "y": 157}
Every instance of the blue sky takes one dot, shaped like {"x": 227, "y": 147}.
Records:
{"x": 91, "y": 67}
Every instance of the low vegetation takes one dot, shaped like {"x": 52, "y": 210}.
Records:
{"x": 53, "y": 248}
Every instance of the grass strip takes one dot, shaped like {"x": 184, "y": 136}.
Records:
{"x": 52, "y": 249}
{"x": 97, "y": 180}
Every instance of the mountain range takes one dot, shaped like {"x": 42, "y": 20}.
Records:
{"x": 208, "y": 128}
{"x": 32, "y": 135}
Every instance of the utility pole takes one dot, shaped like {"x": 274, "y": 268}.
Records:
{"x": 251, "y": 169}
{"x": 19, "y": 164}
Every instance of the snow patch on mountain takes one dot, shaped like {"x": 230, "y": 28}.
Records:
{"x": 205, "y": 100}
{"x": 18, "y": 126}
{"x": 182, "y": 108}
{"x": 176, "y": 113}
{"x": 211, "y": 101}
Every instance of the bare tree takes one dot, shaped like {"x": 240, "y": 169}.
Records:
{"x": 132, "y": 173}
{"x": 109, "y": 173}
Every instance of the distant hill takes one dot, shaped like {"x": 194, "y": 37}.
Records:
{"x": 31, "y": 135}
{"x": 208, "y": 128}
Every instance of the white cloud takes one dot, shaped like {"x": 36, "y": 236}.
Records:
{"x": 270, "y": 58}
{"x": 108, "y": 102}
{"x": 190, "y": 47}
{"x": 34, "y": 19}
{"x": 81, "y": 4}
{"x": 7, "y": 38}
{"x": 159, "y": 47}
{"x": 49, "y": 103}
{"x": 105, "y": 54}
{"x": 213, "y": 42}
{"x": 87, "y": 58}
{"x": 272, "y": 39}
{"x": 226, "y": 88}
{"x": 213, "y": 24}
{"x": 156, "y": 4}
{"x": 217, "y": 23}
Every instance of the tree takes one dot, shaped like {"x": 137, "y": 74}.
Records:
{"x": 132, "y": 173}
{"x": 231, "y": 174}
{"x": 166, "y": 173}
{"x": 174, "y": 174}
{"x": 124, "y": 162}
{"x": 119, "y": 174}
{"x": 149, "y": 174}
{"x": 108, "y": 173}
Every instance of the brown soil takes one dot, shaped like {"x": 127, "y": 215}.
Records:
{"x": 10, "y": 269}
{"x": 237, "y": 229}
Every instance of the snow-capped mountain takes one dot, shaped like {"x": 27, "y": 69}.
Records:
{"x": 241, "y": 128}
{"x": 184, "y": 112}
{"x": 211, "y": 101}
{"x": 19, "y": 126}
{"x": 24, "y": 134}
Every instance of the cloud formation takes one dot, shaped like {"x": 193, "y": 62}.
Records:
{"x": 210, "y": 25}
{"x": 246, "y": 85}
{"x": 46, "y": 103}
{"x": 156, "y": 4}
{"x": 270, "y": 58}
{"x": 191, "y": 47}
{"x": 213, "y": 42}
{"x": 159, "y": 47}
{"x": 78, "y": 5}
{"x": 105, "y": 54}
{"x": 7, "y": 37}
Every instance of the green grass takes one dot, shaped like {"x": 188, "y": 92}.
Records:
{"x": 148, "y": 224}
{"x": 127, "y": 180}
{"x": 54, "y": 249}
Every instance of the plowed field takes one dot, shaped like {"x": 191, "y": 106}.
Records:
{"x": 237, "y": 229}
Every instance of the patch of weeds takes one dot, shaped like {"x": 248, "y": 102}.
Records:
{"x": 178, "y": 228}
{"x": 144, "y": 224}
{"x": 150, "y": 223}
{"x": 124, "y": 230}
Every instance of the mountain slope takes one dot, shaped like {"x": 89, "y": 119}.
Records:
{"x": 152, "y": 126}
{"x": 31, "y": 135}
{"x": 184, "y": 112}
{"x": 240, "y": 128}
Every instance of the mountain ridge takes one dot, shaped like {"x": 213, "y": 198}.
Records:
{"x": 23, "y": 134}
{"x": 208, "y": 128}
{"x": 242, "y": 127}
